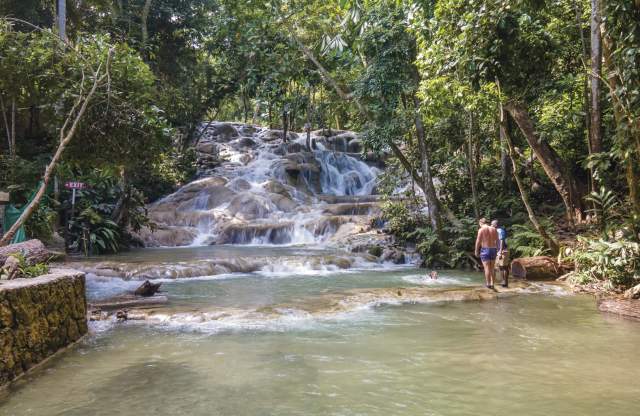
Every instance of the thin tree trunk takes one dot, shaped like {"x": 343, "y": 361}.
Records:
{"x": 433, "y": 204}
{"x": 285, "y": 125}
{"x": 552, "y": 164}
{"x": 6, "y": 124}
{"x": 586, "y": 99}
{"x": 472, "y": 174}
{"x": 631, "y": 170}
{"x": 13, "y": 130}
{"x": 307, "y": 125}
{"x": 74, "y": 117}
{"x": 62, "y": 19}
{"x": 143, "y": 18}
{"x": 524, "y": 194}
{"x": 504, "y": 162}
{"x": 323, "y": 72}
{"x": 595, "y": 137}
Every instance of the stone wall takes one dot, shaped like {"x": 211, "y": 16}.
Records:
{"x": 38, "y": 317}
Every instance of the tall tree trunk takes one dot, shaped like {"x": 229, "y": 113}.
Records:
{"x": 7, "y": 126}
{"x": 586, "y": 98}
{"x": 505, "y": 176}
{"x": 14, "y": 151}
{"x": 595, "y": 136}
{"x": 433, "y": 204}
{"x": 285, "y": 125}
{"x": 307, "y": 124}
{"x": 143, "y": 19}
{"x": 73, "y": 118}
{"x": 62, "y": 19}
{"x": 552, "y": 164}
{"x": 472, "y": 170}
{"x": 631, "y": 170}
{"x": 551, "y": 243}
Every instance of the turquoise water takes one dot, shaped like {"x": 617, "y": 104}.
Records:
{"x": 545, "y": 355}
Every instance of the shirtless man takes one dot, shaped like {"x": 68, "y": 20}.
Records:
{"x": 487, "y": 250}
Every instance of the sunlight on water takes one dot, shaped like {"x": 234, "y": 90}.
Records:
{"x": 215, "y": 351}
{"x": 532, "y": 355}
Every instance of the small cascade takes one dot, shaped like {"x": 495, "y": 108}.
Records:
{"x": 257, "y": 189}
{"x": 342, "y": 174}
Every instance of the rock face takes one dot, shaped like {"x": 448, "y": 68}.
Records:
{"x": 625, "y": 308}
{"x": 38, "y": 317}
{"x": 256, "y": 188}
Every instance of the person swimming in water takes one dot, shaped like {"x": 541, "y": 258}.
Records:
{"x": 487, "y": 249}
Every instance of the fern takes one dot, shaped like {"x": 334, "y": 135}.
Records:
{"x": 526, "y": 242}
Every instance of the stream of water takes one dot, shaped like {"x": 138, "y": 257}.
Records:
{"x": 258, "y": 324}
{"x": 550, "y": 354}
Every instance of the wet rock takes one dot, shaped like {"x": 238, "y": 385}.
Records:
{"x": 246, "y": 142}
{"x": 239, "y": 184}
{"x": 248, "y": 206}
{"x": 10, "y": 270}
{"x": 277, "y": 188}
{"x": 247, "y": 129}
{"x": 265, "y": 233}
{"x": 633, "y": 293}
{"x": 355, "y": 146}
{"x": 209, "y": 148}
{"x": 168, "y": 236}
{"x": 283, "y": 203}
{"x": 223, "y": 132}
{"x": 294, "y": 147}
{"x": 375, "y": 251}
{"x": 393, "y": 255}
{"x": 347, "y": 208}
{"x": 147, "y": 289}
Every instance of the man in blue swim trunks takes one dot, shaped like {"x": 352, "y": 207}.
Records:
{"x": 487, "y": 250}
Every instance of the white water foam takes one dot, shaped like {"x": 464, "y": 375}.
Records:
{"x": 425, "y": 280}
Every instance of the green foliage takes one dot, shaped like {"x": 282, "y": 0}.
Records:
{"x": 94, "y": 233}
{"x": 401, "y": 222}
{"x": 106, "y": 211}
{"x": 605, "y": 204}
{"x": 28, "y": 270}
{"x": 41, "y": 224}
{"x": 526, "y": 242}
{"x": 614, "y": 264}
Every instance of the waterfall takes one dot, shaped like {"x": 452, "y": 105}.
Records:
{"x": 256, "y": 188}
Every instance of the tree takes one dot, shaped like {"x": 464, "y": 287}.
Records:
{"x": 595, "y": 136}
{"x": 96, "y": 77}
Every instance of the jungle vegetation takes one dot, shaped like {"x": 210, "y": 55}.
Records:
{"x": 523, "y": 110}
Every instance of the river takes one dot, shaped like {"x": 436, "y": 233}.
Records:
{"x": 533, "y": 354}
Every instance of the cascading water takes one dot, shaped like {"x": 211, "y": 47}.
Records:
{"x": 256, "y": 188}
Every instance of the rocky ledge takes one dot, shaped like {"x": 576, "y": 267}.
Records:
{"x": 322, "y": 306}
{"x": 39, "y": 317}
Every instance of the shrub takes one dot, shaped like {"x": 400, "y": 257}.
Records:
{"x": 615, "y": 264}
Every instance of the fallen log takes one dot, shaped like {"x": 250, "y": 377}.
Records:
{"x": 129, "y": 301}
{"x": 32, "y": 250}
{"x": 626, "y": 308}
{"x": 537, "y": 268}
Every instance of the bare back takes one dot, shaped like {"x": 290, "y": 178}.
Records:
{"x": 487, "y": 237}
